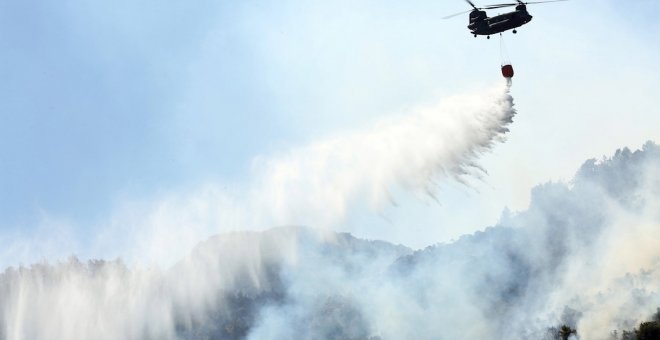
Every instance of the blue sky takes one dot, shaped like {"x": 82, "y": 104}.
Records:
{"x": 103, "y": 103}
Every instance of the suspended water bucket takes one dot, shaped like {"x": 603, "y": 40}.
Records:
{"x": 507, "y": 71}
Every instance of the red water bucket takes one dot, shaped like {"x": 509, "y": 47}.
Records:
{"x": 507, "y": 71}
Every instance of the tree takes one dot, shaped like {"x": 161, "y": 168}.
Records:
{"x": 649, "y": 331}
{"x": 565, "y": 332}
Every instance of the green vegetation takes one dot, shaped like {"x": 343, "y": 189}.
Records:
{"x": 649, "y": 330}
{"x": 565, "y": 332}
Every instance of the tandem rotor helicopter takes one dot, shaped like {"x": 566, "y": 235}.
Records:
{"x": 481, "y": 24}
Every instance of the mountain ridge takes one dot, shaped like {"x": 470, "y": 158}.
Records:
{"x": 583, "y": 254}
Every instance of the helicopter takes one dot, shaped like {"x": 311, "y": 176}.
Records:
{"x": 481, "y": 24}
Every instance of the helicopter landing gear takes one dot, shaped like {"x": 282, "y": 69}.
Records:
{"x": 514, "y": 31}
{"x": 475, "y": 35}
{"x": 488, "y": 37}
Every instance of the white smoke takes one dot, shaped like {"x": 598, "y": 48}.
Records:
{"x": 313, "y": 185}
{"x": 585, "y": 255}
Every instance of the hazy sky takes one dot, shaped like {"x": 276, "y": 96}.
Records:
{"x": 104, "y": 104}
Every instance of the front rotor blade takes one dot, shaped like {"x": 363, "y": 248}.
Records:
{"x": 471, "y": 4}
{"x": 500, "y": 6}
{"x": 457, "y": 14}
{"x": 507, "y": 4}
{"x": 541, "y": 2}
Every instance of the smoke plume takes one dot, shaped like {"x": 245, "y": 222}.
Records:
{"x": 583, "y": 254}
{"x": 282, "y": 283}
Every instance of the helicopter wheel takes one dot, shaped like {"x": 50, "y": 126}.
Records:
{"x": 475, "y": 35}
{"x": 488, "y": 37}
{"x": 514, "y": 31}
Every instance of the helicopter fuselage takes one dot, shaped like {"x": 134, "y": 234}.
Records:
{"x": 481, "y": 24}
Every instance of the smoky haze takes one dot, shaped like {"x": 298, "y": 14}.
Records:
{"x": 226, "y": 286}
{"x": 584, "y": 253}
